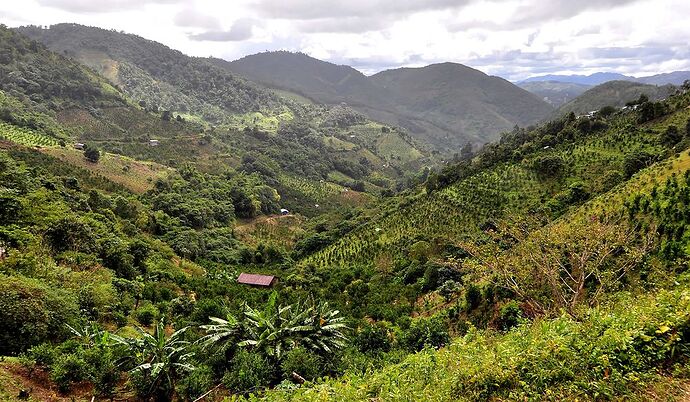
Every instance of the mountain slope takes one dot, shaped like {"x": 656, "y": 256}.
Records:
{"x": 592, "y": 79}
{"x": 446, "y": 106}
{"x": 123, "y": 58}
{"x": 613, "y": 93}
{"x": 555, "y": 93}
{"x": 315, "y": 79}
{"x": 463, "y": 99}
{"x": 673, "y": 78}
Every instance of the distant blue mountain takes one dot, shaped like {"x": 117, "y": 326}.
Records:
{"x": 591, "y": 80}
{"x": 674, "y": 78}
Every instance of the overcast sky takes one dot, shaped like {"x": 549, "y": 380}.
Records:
{"x": 511, "y": 38}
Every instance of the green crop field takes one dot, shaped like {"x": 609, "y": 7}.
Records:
{"x": 25, "y": 136}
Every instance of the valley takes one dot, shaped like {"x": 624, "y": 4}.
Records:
{"x": 422, "y": 233}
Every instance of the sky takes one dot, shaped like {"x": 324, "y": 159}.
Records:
{"x": 515, "y": 39}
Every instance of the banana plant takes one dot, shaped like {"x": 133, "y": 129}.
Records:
{"x": 161, "y": 360}
{"x": 278, "y": 329}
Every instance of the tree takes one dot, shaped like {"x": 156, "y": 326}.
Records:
{"x": 466, "y": 151}
{"x": 548, "y": 165}
{"x": 671, "y": 136}
{"x": 160, "y": 361}
{"x": 92, "y": 153}
{"x": 564, "y": 266}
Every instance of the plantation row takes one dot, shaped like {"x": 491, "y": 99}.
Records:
{"x": 25, "y": 136}
{"x": 592, "y": 166}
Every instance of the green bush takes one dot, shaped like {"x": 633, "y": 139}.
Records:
{"x": 146, "y": 314}
{"x": 473, "y": 296}
{"x": 249, "y": 371}
{"x": 372, "y": 339}
{"x": 68, "y": 369}
{"x": 510, "y": 315}
{"x": 299, "y": 360}
{"x": 43, "y": 354}
{"x": 426, "y": 332}
{"x": 196, "y": 384}
{"x": 31, "y": 313}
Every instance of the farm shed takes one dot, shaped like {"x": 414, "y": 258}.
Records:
{"x": 256, "y": 279}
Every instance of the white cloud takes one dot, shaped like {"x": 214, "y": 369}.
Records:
{"x": 511, "y": 38}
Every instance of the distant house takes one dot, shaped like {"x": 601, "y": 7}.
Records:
{"x": 256, "y": 279}
{"x": 3, "y": 253}
{"x": 284, "y": 211}
{"x": 79, "y": 146}
{"x": 154, "y": 143}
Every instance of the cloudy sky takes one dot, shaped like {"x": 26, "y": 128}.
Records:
{"x": 511, "y": 38}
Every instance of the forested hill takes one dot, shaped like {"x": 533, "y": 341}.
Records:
{"x": 552, "y": 263}
{"x": 613, "y": 93}
{"x": 130, "y": 60}
{"x": 315, "y": 79}
{"x": 309, "y": 152}
{"x": 30, "y": 70}
{"x": 462, "y": 99}
{"x": 445, "y": 105}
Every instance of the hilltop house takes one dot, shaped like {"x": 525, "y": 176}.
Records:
{"x": 154, "y": 143}
{"x": 256, "y": 279}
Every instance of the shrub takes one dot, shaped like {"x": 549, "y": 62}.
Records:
{"x": 510, "y": 315}
{"x": 473, "y": 296}
{"x": 43, "y": 354}
{"x": 92, "y": 153}
{"x": 372, "y": 339}
{"x": 302, "y": 362}
{"x": 32, "y": 313}
{"x": 196, "y": 384}
{"x": 146, "y": 314}
{"x": 426, "y": 332}
{"x": 68, "y": 369}
{"x": 249, "y": 371}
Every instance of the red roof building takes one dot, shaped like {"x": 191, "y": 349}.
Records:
{"x": 256, "y": 279}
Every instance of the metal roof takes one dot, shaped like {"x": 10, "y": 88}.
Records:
{"x": 255, "y": 279}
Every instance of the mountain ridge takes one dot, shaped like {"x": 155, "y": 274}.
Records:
{"x": 383, "y": 96}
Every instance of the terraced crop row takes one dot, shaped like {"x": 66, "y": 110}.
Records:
{"x": 25, "y": 136}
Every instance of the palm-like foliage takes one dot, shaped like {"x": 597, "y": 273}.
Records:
{"x": 223, "y": 332}
{"x": 278, "y": 329}
{"x": 91, "y": 335}
{"x": 160, "y": 359}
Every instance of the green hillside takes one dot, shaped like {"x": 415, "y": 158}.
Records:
{"x": 554, "y": 92}
{"x": 444, "y": 105}
{"x": 613, "y": 93}
{"x": 550, "y": 264}
{"x": 197, "y": 102}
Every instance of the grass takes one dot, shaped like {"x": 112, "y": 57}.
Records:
{"x": 136, "y": 176}
{"x": 277, "y": 230}
{"x": 338, "y": 144}
{"x": 264, "y": 121}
